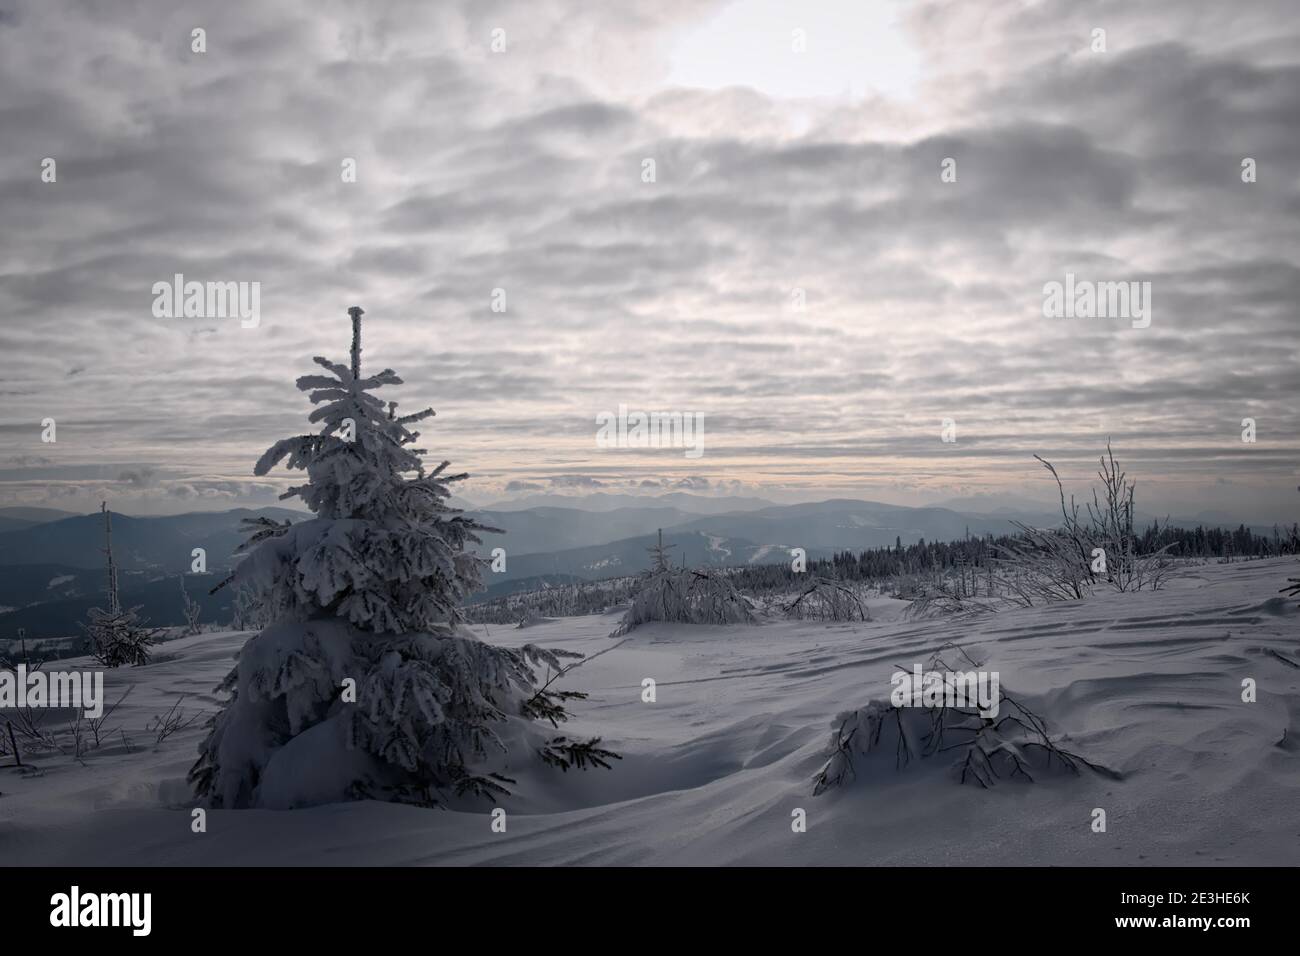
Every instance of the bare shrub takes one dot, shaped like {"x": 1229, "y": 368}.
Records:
{"x": 957, "y": 595}
{"x": 98, "y": 725}
{"x": 824, "y": 599}
{"x": 26, "y": 725}
{"x": 164, "y": 725}
{"x": 191, "y": 610}
{"x": 1098, "y": 547}
{"x": 27, "y": 729}
{"x": 1014, "y": 744}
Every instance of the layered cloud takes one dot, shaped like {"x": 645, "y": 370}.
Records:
{"x": 797, "y": 271}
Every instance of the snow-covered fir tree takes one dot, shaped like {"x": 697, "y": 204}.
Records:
{"x": 367, "y": 683}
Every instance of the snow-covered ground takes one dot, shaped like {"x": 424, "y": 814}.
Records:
{"x": 1148, "y": 684}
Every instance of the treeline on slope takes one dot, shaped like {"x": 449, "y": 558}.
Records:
{"x": 904, "y": 570}
{"x": 925, "y": 557}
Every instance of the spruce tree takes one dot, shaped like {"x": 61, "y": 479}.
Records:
{"x": 367, "y": 683}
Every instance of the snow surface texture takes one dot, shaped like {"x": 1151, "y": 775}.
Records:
{"x": 1146, "y": 683}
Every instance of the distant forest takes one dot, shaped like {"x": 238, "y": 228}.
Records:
{"x": 929, "y": 556}
{"x": 902, "y": 564}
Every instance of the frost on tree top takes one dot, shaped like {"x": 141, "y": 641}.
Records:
{"x": 384, "y": 550}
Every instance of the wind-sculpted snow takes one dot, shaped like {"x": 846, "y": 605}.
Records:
{"x": 1147, "y": 684}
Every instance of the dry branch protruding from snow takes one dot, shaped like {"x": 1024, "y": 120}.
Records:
{"x": 164, "y": 725}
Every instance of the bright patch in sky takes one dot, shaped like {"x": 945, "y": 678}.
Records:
{"x": 853, "y": 47}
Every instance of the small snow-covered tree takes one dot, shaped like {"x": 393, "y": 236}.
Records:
{"x": 366, "y": 683}
{"x": 118, "y": 635}
{"x": 826, "y": 599}
{"x": 659, "y": 558}
{"x": 665, "y": 593}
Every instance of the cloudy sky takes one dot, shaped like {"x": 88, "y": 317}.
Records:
{"x": 797, "y": 152}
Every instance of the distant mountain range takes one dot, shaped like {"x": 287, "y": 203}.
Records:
{"x": 15, "y": 519}
{"x": 158, "y": 543}
{"x": 52, "y": 564}
{"x": 609, "y": 501}
{"x": 549, "y": 529}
